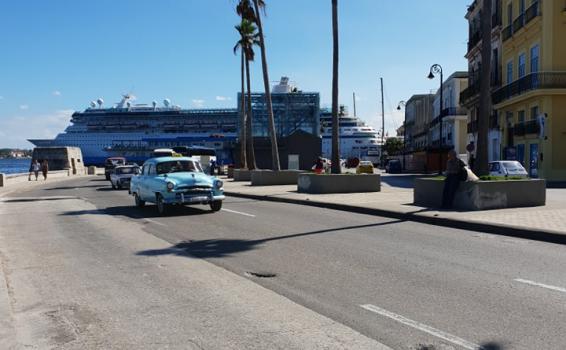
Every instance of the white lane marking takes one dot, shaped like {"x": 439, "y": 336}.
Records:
{"x": 239, "y": 212}
{"x": 547, "y": 286}
{"x": 155, "y": 222}
{"x": 422, "y": 327}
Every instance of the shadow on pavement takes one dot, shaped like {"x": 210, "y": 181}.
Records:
{"x": 148, "y": 211}
{"x": 24, "y": 200}
{"x": 71, "y": 187}
{"x": 218, "y": 248}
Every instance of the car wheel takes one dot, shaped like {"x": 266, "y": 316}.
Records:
{"x": 161, "y": 205}
{"x": 139, "y": 202}
{"x": 216, "y": 205}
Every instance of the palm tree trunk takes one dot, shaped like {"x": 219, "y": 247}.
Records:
{"x": 336, "y": 169}
{"x": 272, "y": 134}
{"x": 485, "y": 91}
{"x": 243, "y": 140}
{"x": 249, "y": 129}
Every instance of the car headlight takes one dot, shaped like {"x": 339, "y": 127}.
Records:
{"x": 170, "y": 186}
{"x": 219, "y": 184}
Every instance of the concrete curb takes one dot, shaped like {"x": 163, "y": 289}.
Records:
{"x": 497, "y": 229}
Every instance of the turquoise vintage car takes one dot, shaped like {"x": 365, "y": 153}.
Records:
{"x": 167, "y": 181}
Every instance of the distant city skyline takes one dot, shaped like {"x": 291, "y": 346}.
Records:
{"x": 60, "y": 55}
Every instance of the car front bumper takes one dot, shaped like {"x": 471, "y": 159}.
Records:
{"x": 182, "y": 198}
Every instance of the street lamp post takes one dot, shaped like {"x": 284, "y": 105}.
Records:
{"x": 403, "y": 104}
{"x": 437, "y": 69}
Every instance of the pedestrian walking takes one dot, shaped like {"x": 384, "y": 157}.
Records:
{"x": 212, "y": 166}
{"x": 35, "y": 168}
{"x": 455, "y": 172}
{"x": 45, "y": 169}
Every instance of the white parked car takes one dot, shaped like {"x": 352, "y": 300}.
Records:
{"x": 121, "y": 175}
{"x": 507, "y": 168}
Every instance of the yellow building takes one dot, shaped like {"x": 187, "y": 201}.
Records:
{"x": 531, "y": 103}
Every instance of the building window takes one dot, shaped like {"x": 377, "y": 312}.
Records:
{"x": 510, "y": 72}
{"x": 521, "y": 117}
{"x": 534, "y": 112}
{"x": 522, "y": 70}
{"x": 535, "y": 53}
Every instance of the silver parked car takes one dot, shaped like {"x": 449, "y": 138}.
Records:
{"x": 507, "y": 168}
{"x": 121, "y": 175}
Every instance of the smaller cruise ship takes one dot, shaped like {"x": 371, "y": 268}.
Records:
{"x": 357, "y": 140}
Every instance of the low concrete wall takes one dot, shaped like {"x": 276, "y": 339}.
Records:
{"x": 92, "y": 170}
{"x": 343, "y": 183}
{"x": 270, "y": 177}
{"x": 19, "y": 178}
{"x": 242, "y": 175}
{"x": 483, "y": 195}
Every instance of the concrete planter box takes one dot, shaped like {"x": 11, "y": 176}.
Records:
{"x": 230, "y": 172}
{"x": 270, "y": 177}
{"x": 242, "y": 175}
{"x": 343, "y": 183}
{"x": 483, "y": 195}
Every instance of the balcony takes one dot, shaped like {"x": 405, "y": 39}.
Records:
{"x": 507, "y": 32}
{"x": 449, "y": 112}
{"x": 533, "y": 81}
{"x": 530, "y": 127}
{"x": 519, "y": 23}
{"x": 496, "y": 19}
{"x": 475, "y": 38}
{"x": 532, "y": 12}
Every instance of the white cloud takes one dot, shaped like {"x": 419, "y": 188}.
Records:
{"x": 223, "y": 98}
{"x": 24, "y": 107}
{"x": 198, "y": 103}
{"x": 56, "y": 93}
{"x": 18, "y": 128}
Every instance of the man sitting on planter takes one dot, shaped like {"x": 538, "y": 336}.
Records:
{"x": 455, "y": 172}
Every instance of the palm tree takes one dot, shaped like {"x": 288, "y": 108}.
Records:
{"x": 245, "y": 10}
{"x": 485, "y": 91}
{"x": 336, "y": 169}
{"x": 239, "y": 46}
{"x": 249, "y": 38}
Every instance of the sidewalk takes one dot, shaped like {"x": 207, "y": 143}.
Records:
{"x": 547, "y": 223}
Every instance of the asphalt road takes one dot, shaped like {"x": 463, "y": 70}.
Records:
{"x": 404, "y": 284}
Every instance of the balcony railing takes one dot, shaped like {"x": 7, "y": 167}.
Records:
{"x": 507, "y": 32}
{"x": 475, "y": 38}
{"x": 532, "y": 12}
{"x": 533, "y": 81}
{"x": 449, "y": 112}
{"x": 526, "y": 128}
{"x": 518, "y": 23}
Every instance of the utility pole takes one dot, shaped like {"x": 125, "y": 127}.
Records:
{"x": 382, "y": 121}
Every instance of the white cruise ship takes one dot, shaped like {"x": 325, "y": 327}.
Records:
{"x": 134, "y": 130}
{"x": 357, "y": 140}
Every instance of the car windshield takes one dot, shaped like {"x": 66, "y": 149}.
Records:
{"x": 513, "y": 166}
{"x": 178, "y": 166}
{"x": 128, "y": 170}
{"x": 115, "y": 162}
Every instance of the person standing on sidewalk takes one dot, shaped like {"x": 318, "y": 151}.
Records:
{"x": 45, "y": 169}
{"x": 455, "y": 169}
{"x": 35, "y": 167}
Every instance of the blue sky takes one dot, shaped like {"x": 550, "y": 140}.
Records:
{"x": 58, "y": 55}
